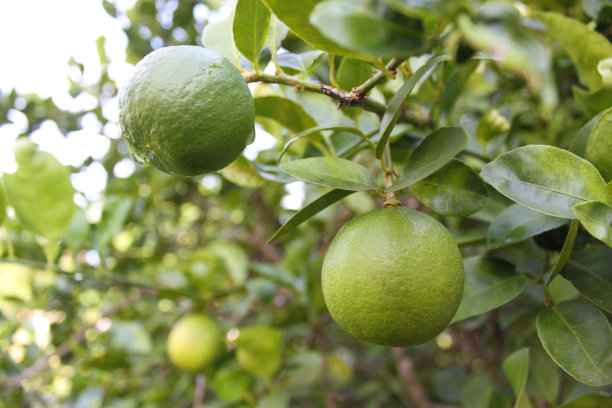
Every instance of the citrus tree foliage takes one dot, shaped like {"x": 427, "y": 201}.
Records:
{"x": 493, "y": 117}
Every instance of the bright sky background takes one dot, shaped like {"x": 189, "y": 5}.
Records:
{"x": 37, "y": 39}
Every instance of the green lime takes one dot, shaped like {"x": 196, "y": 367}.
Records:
{"x": 393, "y": 277}
{"x": 195, "y": 342}
{"x": 186, "y": 110}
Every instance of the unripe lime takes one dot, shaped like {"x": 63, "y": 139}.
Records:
{"x": 194, "y": 343}
{"x": 393, "y": 277}
{"x": 186, "y": 110}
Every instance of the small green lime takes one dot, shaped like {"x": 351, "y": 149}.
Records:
{"x": 393, "y": 277}
{"x": 186, "y": 110}
{"x": 194, "y": 343}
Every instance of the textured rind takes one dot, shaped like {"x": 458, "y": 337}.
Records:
{"x": 393, "y": 277}
{"x": 186, "y": 110}
{"x": 194, "y": 342}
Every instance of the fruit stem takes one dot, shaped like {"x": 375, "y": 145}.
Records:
{"x": 387, "y": 166}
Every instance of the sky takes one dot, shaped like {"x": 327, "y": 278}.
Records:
{"x": 37, "y": 39}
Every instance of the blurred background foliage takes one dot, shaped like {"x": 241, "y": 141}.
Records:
{"x": 89, "y": 331}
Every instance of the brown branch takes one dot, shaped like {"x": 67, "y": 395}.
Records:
{"x": 200, "y": 391}
{"x": 360, "y": 91}
{"x": 416, "y": 391}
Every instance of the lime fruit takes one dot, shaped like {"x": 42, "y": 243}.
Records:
{"x": 194, "y": 343}
{"x": 393, "y": 277}
{"x": 186, "y": 110}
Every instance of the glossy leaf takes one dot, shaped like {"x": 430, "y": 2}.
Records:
{"x": 433, "y": 153}
{"x": 285, "y": 111}
{"x": 286, "y": 11}
{"x": 516, "y": 368}
{"x": 546, "y": 179}
{"x": 580, "y": 140}
{"x": 596, "y": 217}
{"x": 259, "y": 350}
{"x": 40, "y": 192}
{"x": 242, "y": 173}
{"x": 599, "y": 145}
{"x": 304, "y": 62}
{"x": 590, "y": 401}
{"x": 517, "y": 223}
{"x": 356, "y": 28}
{"x": 310, "y": 210}
{"x": 394, "y": 107}
{"x": 250, "y": 27}
{"x": 454, "y": 190}
{"x": 114, "y": 214}
{"x": 219, "y": 37}
{"x": 331, "y": 172}
{"x": 489, "y": 283}
{"x": 590, "y": 271}
{"x": 586, "y": 47}
{"x": 578, "y": 337}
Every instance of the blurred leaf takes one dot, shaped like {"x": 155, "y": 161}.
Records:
{"x": 454, "y": 190}
{"x": 578, "y": 337}
{"x": 356, "y": 28}
{"x": 489, "y": 283}
{"x": 276, "y": 33}
{"x": 259, "y": 350}
{"x": 219, "y": 37}
{"x": 589, "y": 401}
{"x": 582, "y": 136}
{"x": 589, "y": 271}
{"x": 92, "y": 397}
{"x": 331, "y": 172}
{"x": 516, "y": 368}
{"x": 131, "y": 337}
{"x": 353, "y": 72}
{"x": 250, "y": 27}
{"x": 285, "y": 111}
{"x": 421, "y": 8}
{"x": 304, "y": 62}
{"x": 231, "y": 383}
{"x": 592, "y": 102}
{"x": 477, "y": 392}
{"x": 584, "y": 46}
{"x": 294, "y": 13}
{"x": 599, "y": 145}
{"x": 309, "y": 211}
{"x": 544, "y": 376}
{"x": 78, "y": 230}
{"x": 15, "y": 281}
{"x": 2, "y": 203}
{"x": 546, "y": 179}
{"x": 394, "y": 107}
{"x": 491, "y": 124}
{"x": 275, "y": 399}
{"x": 517, "y": 223}
{"x": 115, "y": 213}
{"x": 242, "y": 173}
{"x": 40, "y": 192}
{"x": 234, "y": 259}
{"x": 433, "y": 153}
{"x": 596, "y": 217}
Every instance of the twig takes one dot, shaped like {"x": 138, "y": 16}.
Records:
{"x": 200, "y": 391}
{"x": 360, "y": 91}
{"x": 416, "y": 391}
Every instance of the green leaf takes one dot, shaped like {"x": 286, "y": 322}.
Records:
{"x": 250, "y": 27}
{"x": 422, "y": 8}
{"x": 78, "y": 231}
{"x": 242, "y": 173}
{"x": 599, "y": 145}
{"x": 546, "y": 179}
{"x": 592, "y": 102}
{"x": 40, "y": 192}
{"x": 394, "y": 108}
{"x": 2, "y": 203}
{"x": 589, "y": 401}
{"x": 454, "y": 190}
{"x": 304, "y": 62}
{"x": 356, "y": 28}
{"x": 580, "y": 140}
{"x": 566, "y": 251}
{"x": 276, "y": 33}
{"x": 353, "y": 72}
{"x": 310, "y": 210}
{"x": 294, "y": 13}
{"x": 516, "y": 368}
{"x": 517, "y": 223}
{"x": 285, "y": 111}
{"x": 219, "y": 37}
{"x": 331, "y": 172}
{"x": 589, "y": 271}
{"x": 433, "y": 153}
{"x": 231, "y": 382}
{"x": 578, "y": 337}
{"x": 544, "y": 376}
{"x": 585, "y": 46}
{"x": 114, "y": 215}
{"x": 259, "y": 350}
{"x": 316, "y": 130}
{"x": 491, "y": 124}
{"x": 275, "y": 399}
{"x": 596, "y": 217}
{"x": 489, "y": 283}
{"x": 131, "y": 337}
